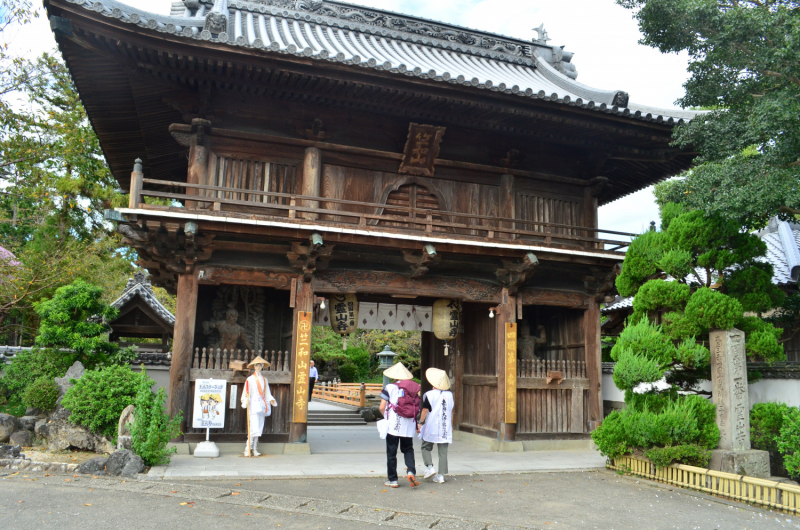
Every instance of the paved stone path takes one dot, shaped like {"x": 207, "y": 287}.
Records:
{"x": 595, "y": 500}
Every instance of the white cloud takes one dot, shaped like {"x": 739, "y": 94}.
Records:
{"x": 602, "y": 35}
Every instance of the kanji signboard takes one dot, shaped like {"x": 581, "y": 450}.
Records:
{"x": 511, "y": 373}
{"x": 422, "y": 148}
{"x": 302, "y": 356}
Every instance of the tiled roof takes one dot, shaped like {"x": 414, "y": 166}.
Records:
{"x": 139, "y": 286}
{"x": 385, "y": 41}
{"x": 783, "y": 252}
{"x": 147, "y": 358}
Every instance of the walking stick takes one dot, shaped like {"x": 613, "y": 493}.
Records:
{"x": 247, "y": 419}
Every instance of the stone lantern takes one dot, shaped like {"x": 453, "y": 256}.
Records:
{"x": 387, "y": 361}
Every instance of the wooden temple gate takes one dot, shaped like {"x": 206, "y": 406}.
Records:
{"x": 270, "y": 174}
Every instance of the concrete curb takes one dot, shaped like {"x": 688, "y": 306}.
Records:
{"x": 20, "y": 464}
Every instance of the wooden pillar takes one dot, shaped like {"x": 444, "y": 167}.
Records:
{"x": 458, "y": 376}
{"x": 507, "y": 204}
{"x": 312, "y": 170}
{"x": 135, "y": 196}
{"x": 591, "y": 334}
{"x": 182, "y": 345}
{"x": 506, "y": 313}
{"x": 304, "y": 301}
{"x": 590, "y": 215}
{"x": 198, "y": 160}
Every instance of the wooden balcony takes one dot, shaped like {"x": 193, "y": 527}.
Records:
{"x": 370, "y": 218}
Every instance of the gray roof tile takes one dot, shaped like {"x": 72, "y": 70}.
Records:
{"x": 386, "y": 41}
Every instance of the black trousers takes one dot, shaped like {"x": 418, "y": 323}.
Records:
{"x": 311, "y": 382}
{"x": 406, "y": 447}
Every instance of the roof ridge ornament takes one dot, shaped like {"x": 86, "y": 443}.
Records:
{"x": 217, "y": 18}
{"x": 542, "y": 37}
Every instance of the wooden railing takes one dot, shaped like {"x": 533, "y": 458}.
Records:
{"x": 540, "y": 367}
{"x": 283, "y": 206}
{"x": 769, "y": 493}
{"x": 347, "y": 393}
{"x": 217, "y": 359}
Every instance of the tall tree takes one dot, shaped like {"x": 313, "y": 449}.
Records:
{"x": 745, "y": 67}
{"x": 54, "y": 185}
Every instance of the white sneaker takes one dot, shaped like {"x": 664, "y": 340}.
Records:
{"x": 256, "y": 453}
{"x": 431, "y": 471}
{"x": 438, "y": 479}
{"x": 391, "y": 484}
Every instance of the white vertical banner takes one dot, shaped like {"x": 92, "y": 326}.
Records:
{"x": 209, "y": 404}
{"x": 234, "y": 395}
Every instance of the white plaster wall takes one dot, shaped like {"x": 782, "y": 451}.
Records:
{"x": 784, "y": 390}
{"x": 764, "y": 391}
{"x": 159, "y": 374}
{"x": 610, "y": 390}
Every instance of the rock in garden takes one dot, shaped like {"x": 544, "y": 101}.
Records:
{"x": 75, "y": 371}
{"x": 62, "y": 435}
{"x": 22, "y": 437}
{"x": 8, "y": 424}
{"x": 124, "y": 463}
{"x": 11, "y": 451}
{"x": 372, "y": 414}
{"x": 28, "y": 422}
{"x": 95, "y": 466}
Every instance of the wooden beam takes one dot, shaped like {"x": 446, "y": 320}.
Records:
{"x": 392, "y": 283}
{"x": 255, "y": 278}
{"x": 507, "y": 205}
{"x": 591, "y": 330}
{"x": 182, "y": 345}
{"x": 572, "y": 299}
{"x": 506, "y": 314}
{"x": 312, "y": 169}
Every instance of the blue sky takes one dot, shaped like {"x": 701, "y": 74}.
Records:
{"x": 602, "y": 35}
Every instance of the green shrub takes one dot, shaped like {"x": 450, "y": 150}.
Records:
{"x": 689, "y": 454}
{"x": 348, "y": 373}
{"x": 41, "y": 394}
{"x": 766, "y": 420}
{"x": 98, "y": 398}
{"x": 29, "y": 366}
{"x": 789, "y": 441}
{"x": 681, "y": 423}
{"x": 152, "y": 428}
{"x": 632, "y": 369}
{"x": 713, "y": 310}
{"x": 360, "y": 358}
{"x": 658, "y": 294}
{"x": 646, "y": 339}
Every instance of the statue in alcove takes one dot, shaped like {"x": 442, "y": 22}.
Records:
{"x": 526, "y": 343}
{"x": 238, "y": 318}
{"x": 230, "y": 332}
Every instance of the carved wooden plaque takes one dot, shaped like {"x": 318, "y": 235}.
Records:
{"x": 511, "y": 373}
{"x": 422, "y": 148}
{"x": 302, "y": 356}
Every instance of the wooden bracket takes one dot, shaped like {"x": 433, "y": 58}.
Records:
{"x": 514, "y": 273}
{"x": 309, "y": 258}
{"x": 420, "y": 263}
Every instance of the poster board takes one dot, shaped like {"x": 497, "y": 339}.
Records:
{"x": 209, "y": 404}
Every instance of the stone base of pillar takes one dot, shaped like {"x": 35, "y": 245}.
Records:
{"x": 752, "y": 463}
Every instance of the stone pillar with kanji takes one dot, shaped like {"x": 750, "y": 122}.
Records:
{"x": 730, "y": 395}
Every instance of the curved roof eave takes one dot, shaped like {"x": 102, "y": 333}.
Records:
{"x": 290, "y": 32}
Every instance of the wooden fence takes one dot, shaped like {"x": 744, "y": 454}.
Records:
{"x": 763, "y": 492}
{"x": 354, "y": 394}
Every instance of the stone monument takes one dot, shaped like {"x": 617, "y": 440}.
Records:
{"x": 730, "y": 395}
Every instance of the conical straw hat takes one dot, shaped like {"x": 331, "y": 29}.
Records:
{"x": 438, "y": 378}
{"x": 258, "y": 360}
{"x": 398, "y": 372}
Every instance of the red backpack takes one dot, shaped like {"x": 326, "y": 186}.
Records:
{"x": 408, "y": 404}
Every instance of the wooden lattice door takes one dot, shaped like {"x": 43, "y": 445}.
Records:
{"x": 408, "y": 197}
